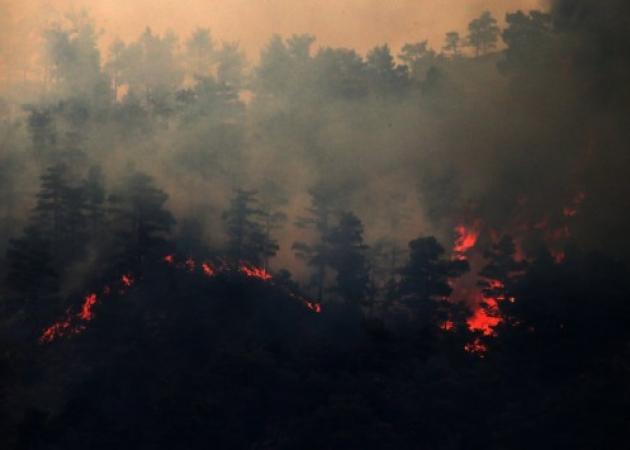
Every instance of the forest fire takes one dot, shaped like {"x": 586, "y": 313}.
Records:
{"x": 169, "y": 259}
{"x": 485, "y": 312}
{"x": 207, "y": 270}
{"x": 485, "y": 317}
{"x": 127, "y": 280}
{"x": 255, "y": 272}
{"x": 87, "y": 312}
{"x": 466, "y": 238}
{"x": 315, "y": 307}
{"x": 72, "y": 324}
{"x": 57, "y": 329}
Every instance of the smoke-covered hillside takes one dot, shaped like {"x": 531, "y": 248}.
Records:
{"x": 427, "y": 221}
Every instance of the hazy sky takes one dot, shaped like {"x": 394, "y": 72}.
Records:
{"x": 360, "y": 24}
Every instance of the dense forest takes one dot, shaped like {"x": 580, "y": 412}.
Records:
{"x": 414, "y": 248}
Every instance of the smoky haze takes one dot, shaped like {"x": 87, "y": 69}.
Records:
{"x": 359, "y": 24}
{"x": 516, "y": 134}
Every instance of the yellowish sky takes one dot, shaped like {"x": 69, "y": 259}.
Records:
{"x": 360, "y": 24}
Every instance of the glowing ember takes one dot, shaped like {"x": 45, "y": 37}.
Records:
{"x": 255, "y": 272}
{"x": 207, "y": 270}
{"x": 315, "y": 307}
{"x": 448, "y": 325}
{"x": 86, "y": 312}
{"x": 127, "y": 280}
{"x": 476, "y": 347}
{"x": 572, "y": 209}
{"x": 558, "y": 256}
{"x": 68, "y": 325}
{"x": 57, "y": 329}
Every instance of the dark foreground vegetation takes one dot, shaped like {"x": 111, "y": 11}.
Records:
{"x": 426, "y": 250}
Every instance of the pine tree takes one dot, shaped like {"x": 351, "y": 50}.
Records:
{"x": 424, "y": 283}
{"x": 483, "y": 33}
{"x": 94, "y": 195}
{"x": 59, "y": 214}
{"x": 316, "y": 255}
{"x": 248, "y": 240}
{"x": 31, "y": 275}
{"x": 141, "y": 222}
{"x": 348, "y": 259}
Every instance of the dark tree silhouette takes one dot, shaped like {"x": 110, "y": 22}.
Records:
{"x": 483, "y": 33}
{"x": 424, "y": 283}
{"x": 383, "y": 72}
{"x": 32, "y": 277}
{"x": 316, "y": 255}
{"x": 452, "y": 43}
{"x": 248, "y": 238}
{"x": 60, "y": 214}
{"x": 141, "y": 223}
{"x": 348, "y": 258}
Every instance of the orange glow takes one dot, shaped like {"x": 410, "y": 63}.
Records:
{"x": 315, "y": 307}
{"x": 496, "y": 284}
{"x": 558, "y": 256}
{"x": 68, "y": 326}
{"x": 207, "y": 270}
{"x": 255, "y": 272}
{"x": 56, "y": 330}
{"x": 483, "y": 320}
{"x": 86, "y": 309}
{"x": 476, "y": 346}
{"x": 466, "y": 238}
{"x": 573, "y": 209}
{"x": 127, "y": 280}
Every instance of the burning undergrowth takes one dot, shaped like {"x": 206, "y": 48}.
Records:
{"x": 76, "y": 322}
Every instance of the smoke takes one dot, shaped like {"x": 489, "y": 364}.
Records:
{"x": 508, "y": 140}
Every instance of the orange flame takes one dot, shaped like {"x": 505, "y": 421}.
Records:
{"x": 207, "y": 270}
{"x": 127, "y": 280}
{"x": 476, "y": 347}
{"x": 86, "y": 312}
{"x": 255, "y": 272}
{"x": 315, "y": 307}
{"x": 466, "y": 238}
{"x": 56, "y": 330}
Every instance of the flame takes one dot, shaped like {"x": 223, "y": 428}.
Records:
{"x": 476, "y": 347}
{"x": 573, "y": 209}
{"x": 558, "y": 256}
{"x": 447, "y": 325}
{"x": 68, "y": 325}
{"x": 86, "y": 309}
{"x": 255, "y": 272}
{"x": 466, "y": 238}
{"x": 207, "y": 270}
{"x": 127, "y": 280}
{"x": 315, "y": 307}
{"x": 484, "y": 320}
{"x": 57, "y": 329}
